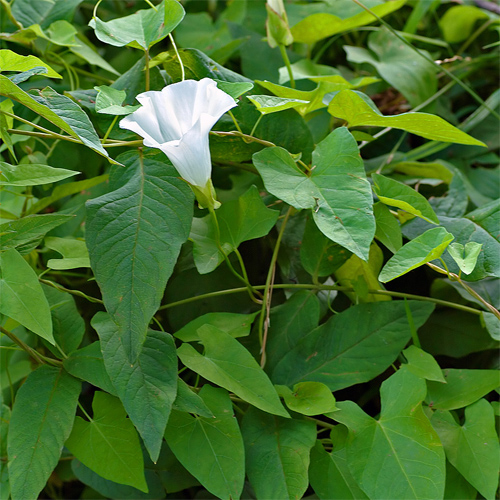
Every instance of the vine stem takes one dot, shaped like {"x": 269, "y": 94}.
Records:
{"x": 311, "y": 286}
{"x": 183, "y": 73}
{"x": 284, "y": 55}
{"x": 61, "y": 288}
{"x": 39, "y": 358}
{"x": 266, "y": 301}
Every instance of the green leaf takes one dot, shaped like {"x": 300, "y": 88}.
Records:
{"x": 236, "y": 325}
{"x": 466, "y": 262}
{"x": 416, "y": 253}
{"x": 189, "y": 402}
{"x": 472, "y": 448}
{"x": 64, "y": 190}
{"x": 457, "y": 487}
{"x": 148, "y": 387}
{"x": 458, "y": 22}
{"x": 108, "y": 444}
{"x": 351, "y": 107}
{"x": 353, "y": 346}
{"x": 422, "y": 364}
{"x": 31, "y": 174}
{"x": 87, "y": 364}
{"x": 211, "y": 449}
{"x": 32, "y": 227}
{"x": 74, "y": 252}
{"x": 109, "y": 101}
{"x": 321, "y": 25}
{"x": 400, "y": 195}
{"x": 394, "y": 61}
{"x": 488, "y": 217}
{"x": 145, "y": 217}
{"x": 388, "y": 230}
{"x": 465, "y": 231}
{"x": 330, "y": 476}
{"x": 142, "y": 29}
{"x": 10, "y": 61}
{"x": 399, "y": 455}
{"x": 240, "y": 220}
{"x": 319, "y": 255}
{"x": 266, "y": 104}
{"x": 44, "y": 13}
{"x": 362, "y": 276}
{"x": 462, "y": 388}
{"x": 277, "y": 454}
{"x": 336, "y": 190}
{"x": 308, "y": 398}
{"x": 492, "y": 324}
{"x": 288, "y": 324}
{"x": 234, "y": 89}
{"x": 433, "y": 170}
{"x": 68, "y": 325}
{"x": 227, "y": 363}
{"x": 41, "y": 421}
{"x": 72, "y": 114}
{"x": 21, "y": 295}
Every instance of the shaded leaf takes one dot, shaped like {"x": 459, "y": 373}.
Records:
{"x": 41, "y": 421}
{"x": 353, "y": 346}
{"x": 108, "y": 444}
{"x": 277, "y": 454}
{"x": 422, "y": 364}
{"x": 211, "y": 449}
{"x": 148, "y": 387}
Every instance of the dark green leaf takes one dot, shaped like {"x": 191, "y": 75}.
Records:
{"x": 189, "y": 401}
{"x": 146, "y": 217}
{"x": 353, "y": 346}
{"x": 29, "y": 12}
{"x": 87, "y": 364}
{"x": 147, "y": 387}
{"x": 41, "y": 421}
{"x": 388, "y": 230}
{"x": 277, "y": 454}
{"x": 239, "y": 220}
{"x": 211, "y": 449}
{"x": 68, "y": 326}
{"x": 330, "y": 476}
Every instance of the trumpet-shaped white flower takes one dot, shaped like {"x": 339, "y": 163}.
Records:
{"x": 177, "y": 120}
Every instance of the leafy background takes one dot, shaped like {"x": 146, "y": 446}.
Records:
{"x": 334, "y": 335}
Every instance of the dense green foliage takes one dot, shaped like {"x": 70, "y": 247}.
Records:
{"x": 330, "y": 331}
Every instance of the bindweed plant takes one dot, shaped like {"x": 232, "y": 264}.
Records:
{"x": 249, "y": 249}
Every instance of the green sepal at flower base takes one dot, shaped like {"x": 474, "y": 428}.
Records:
{"x": 206, "y": 196}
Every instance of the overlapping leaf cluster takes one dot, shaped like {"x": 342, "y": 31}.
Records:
{"x": 330, "y": 332}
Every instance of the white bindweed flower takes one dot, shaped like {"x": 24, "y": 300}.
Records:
{"x": 177, "y": 120}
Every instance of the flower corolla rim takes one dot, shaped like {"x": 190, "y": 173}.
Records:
{"x": 177, "y": 121}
